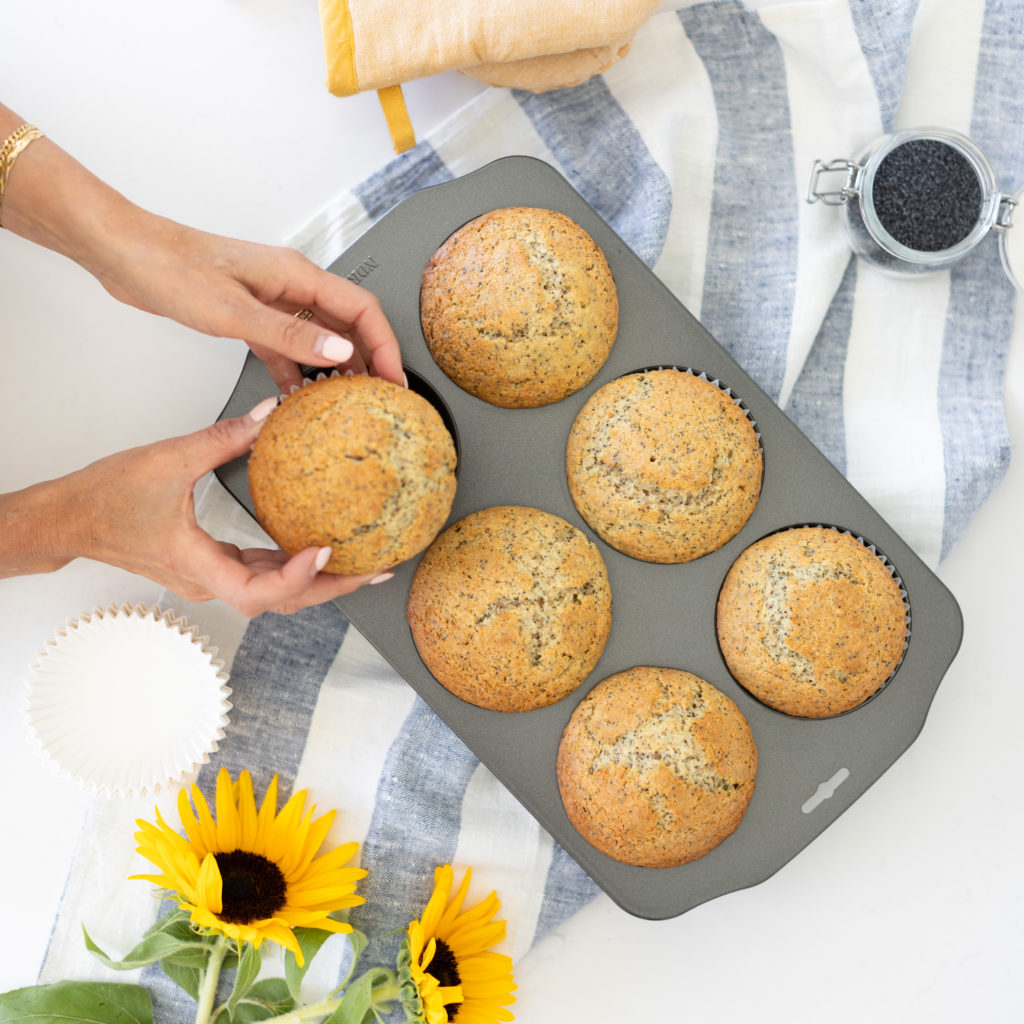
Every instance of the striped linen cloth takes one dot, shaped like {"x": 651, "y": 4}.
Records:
{"x": 696, "y": 149}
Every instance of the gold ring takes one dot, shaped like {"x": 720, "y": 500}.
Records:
{"x": 304, "y": 314}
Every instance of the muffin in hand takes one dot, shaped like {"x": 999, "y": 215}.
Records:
{"x": 357, "y": 463}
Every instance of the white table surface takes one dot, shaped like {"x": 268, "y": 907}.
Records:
{"x": 909, "y": 908}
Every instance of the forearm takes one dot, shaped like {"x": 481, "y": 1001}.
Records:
{"x": 33, "y": 537}
{"x": 52, "y": 200}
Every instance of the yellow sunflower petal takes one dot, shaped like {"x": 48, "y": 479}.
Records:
{"x": 333, "y": 860}
{"x": 203, "y": 919}
{"x": 281, "y": 836}
{"x": 298, "y": 848}
{"x": 449, "y": 994}
{"x": 316, "y": 897}
{"x": 416, "y": 939}
{"x": 455, "y": 904}
{"x": 428, "y": 952}
{"x": 265, "y": 816}
{"x": 209, "y": 892}
{"x": 313, "y": 919}
{"x": 206, "y": 827}
{"x": 434, "y": 910}
{"x": 246, "y": 813}
{"x": 161, "y": 833}
{"x": 341, "y": 879}
{"x": 228, "y": 826}
{"x": 180, "y": 864}
{"x": 429, "y": 990}
{"x": 493, "y": 992}
{"x": 486, "y": 966}
{"x": 314, "y": 839}
{"x": 483, "y": 1013}
{"x": 468, "y": 922}
{"x": 485, "y": 909}
{"x": 477, "y": 939}
{"x": 160, "y": 881}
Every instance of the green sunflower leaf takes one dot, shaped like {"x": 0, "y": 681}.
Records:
{"x": 359, "y": 942}
{"x": 310, "y": 940}
{"x": 248, "y": 971}
{"x": 358, "y": 1004}
{"x": 189, "y": 978}
{"x": 194, "y": 946}
{"x": 165, "y": 941}
{"x": 81, "y": 1002}
{"x": 269, "y": 998}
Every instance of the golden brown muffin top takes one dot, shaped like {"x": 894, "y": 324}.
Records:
{"x": 358, "y": 463}
{"x": 811, "y": 621}
{"x": 510, "y": 608}
{"x": 664, "y": 465}
{"x": 519, "y": 307}
{"x": 656, "y": 766}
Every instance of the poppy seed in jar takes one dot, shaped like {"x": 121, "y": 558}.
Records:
{"x": 927, "y": 195}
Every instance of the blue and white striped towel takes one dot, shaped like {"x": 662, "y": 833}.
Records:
{"x": 696, "y": 149}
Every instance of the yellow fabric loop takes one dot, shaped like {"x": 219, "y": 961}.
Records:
{"x": 393, "y": 103}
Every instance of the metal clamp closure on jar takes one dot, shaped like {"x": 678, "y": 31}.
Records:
{"x": 915, "y": 201}
{"x": 836, "y": 197}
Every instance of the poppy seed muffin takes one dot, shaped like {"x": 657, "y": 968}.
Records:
{"x": 656, "y": 767}
{"x": 811, "y": 621}
{"x": 510, "y": 608}
{"x": 519, "y": 308}
{"x": 358, "y": 463}
{"x": 663, "y": 465}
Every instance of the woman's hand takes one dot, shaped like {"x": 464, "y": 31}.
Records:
{"x": 217, "y": 285}
{"x": 135, "y": 510}
{"x": 235, "y": 289}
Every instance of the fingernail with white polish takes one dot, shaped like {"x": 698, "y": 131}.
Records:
{"x": 334, "y": 347}
{"x": 263, "y": 410}
{"x": 382, "y": 578}
{"x": 405, "y": 380}
{"x": 323, "y": 556}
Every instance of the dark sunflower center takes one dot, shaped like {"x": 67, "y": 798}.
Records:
{"x": 253, "y": 887}
{"x": 445, "y": 968}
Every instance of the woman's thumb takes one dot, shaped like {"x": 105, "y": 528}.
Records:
{"x": 227, "y": 439}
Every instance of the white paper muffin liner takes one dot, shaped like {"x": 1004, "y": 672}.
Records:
{"x": 125, "y": 701}
{"x": 311, "y": 375}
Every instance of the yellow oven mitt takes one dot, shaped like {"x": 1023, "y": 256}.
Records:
{"x": 534, "y": 45}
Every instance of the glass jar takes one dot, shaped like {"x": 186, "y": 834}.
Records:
{"x": 917, "y": 200}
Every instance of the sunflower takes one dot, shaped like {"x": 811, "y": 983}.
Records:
{"x": 446, "y": 967}
{"x": 251, "y": 875}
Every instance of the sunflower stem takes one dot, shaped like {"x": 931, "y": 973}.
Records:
{"x": 211, "y": 975}
{"x": 384, "y": 993}
{"x": 309, "y": 1012}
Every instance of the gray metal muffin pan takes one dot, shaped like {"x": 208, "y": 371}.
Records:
{"x": 662, "y": 614}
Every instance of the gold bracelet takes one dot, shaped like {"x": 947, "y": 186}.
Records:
{"x": 10, "y": 151}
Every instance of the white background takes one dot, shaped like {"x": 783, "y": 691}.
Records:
{"x": 909, "y": 908}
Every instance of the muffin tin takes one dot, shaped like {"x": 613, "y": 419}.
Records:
{"x": 809, "y": 771}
